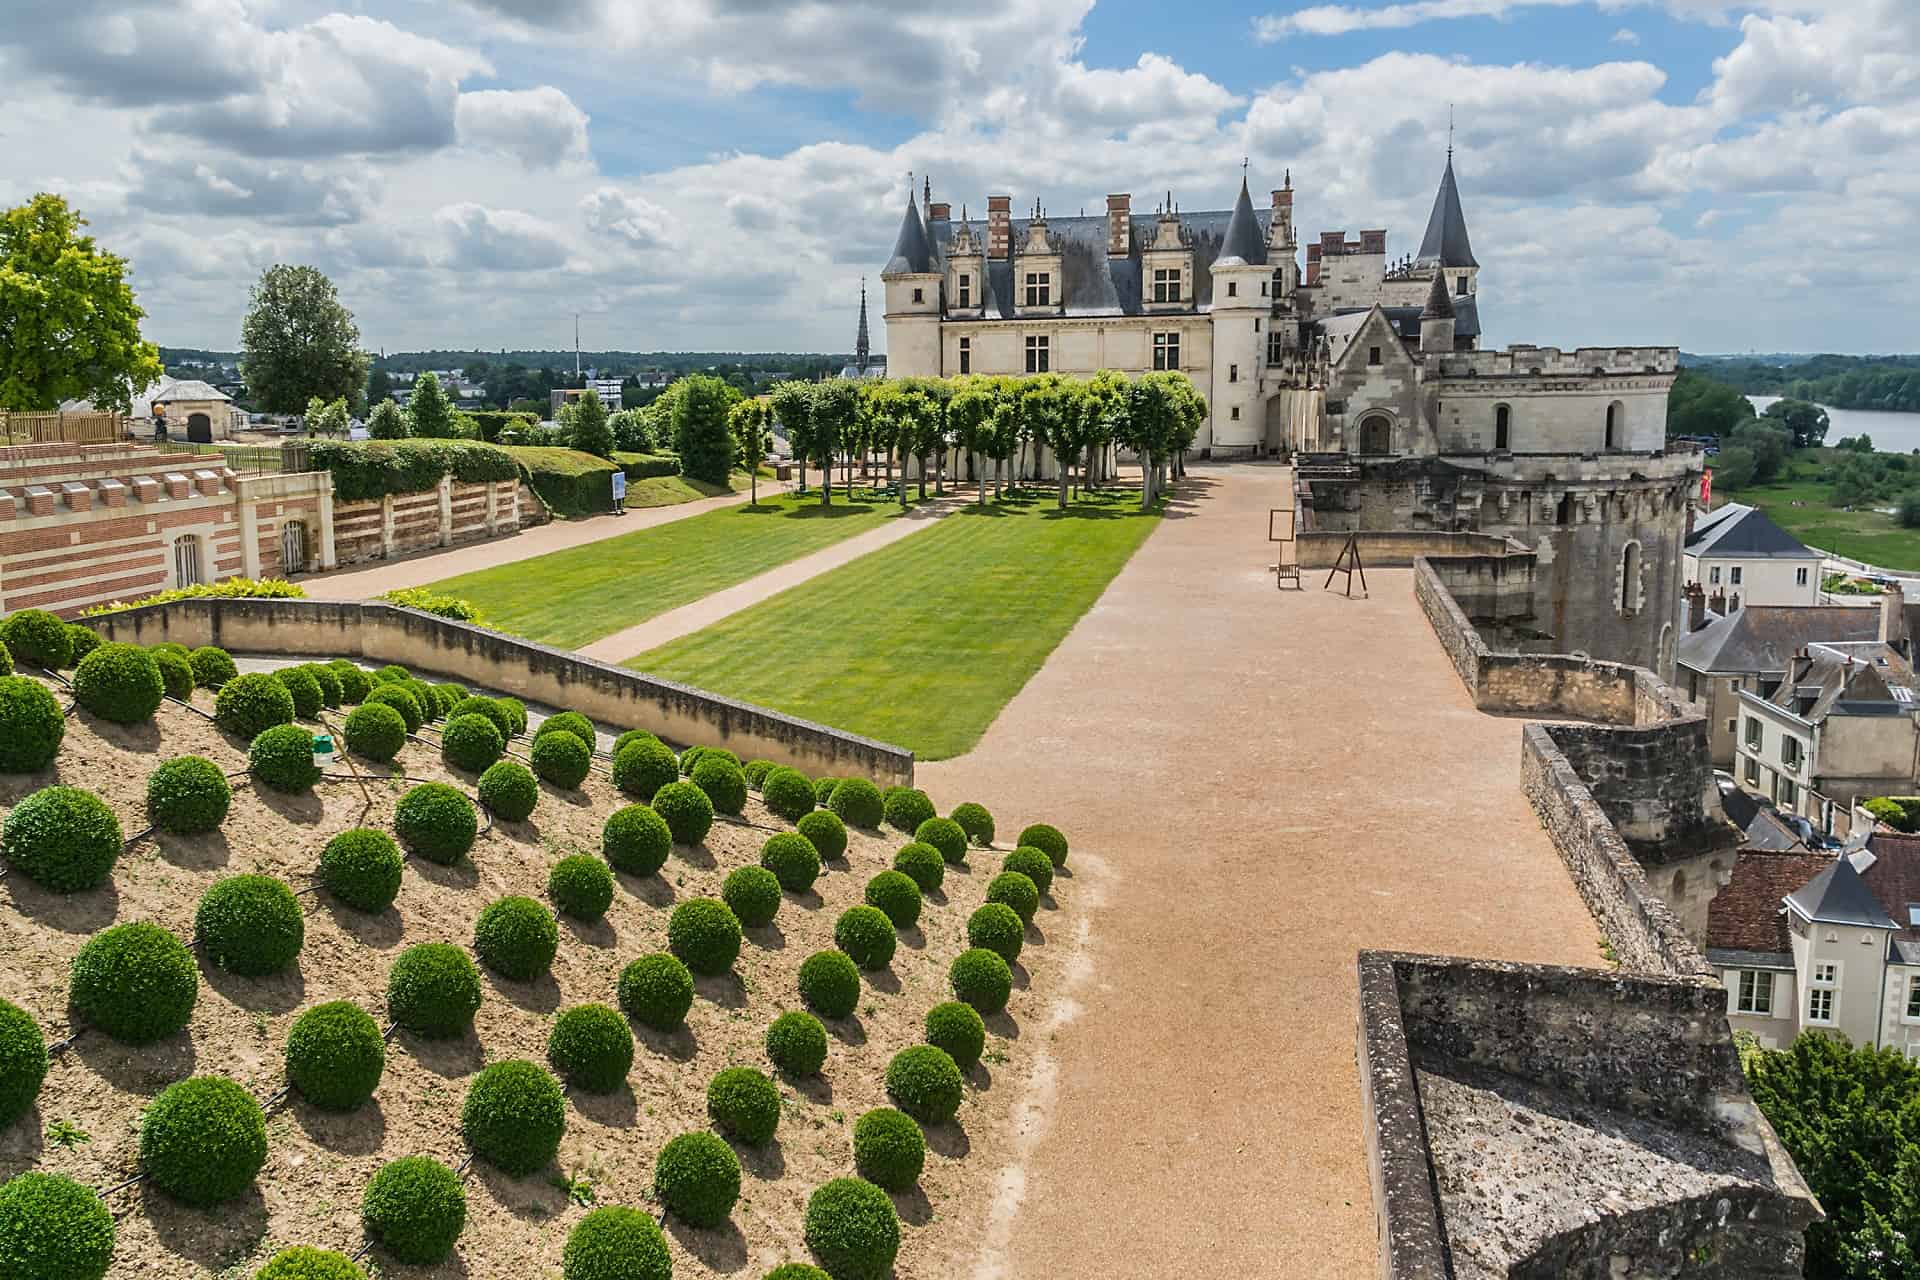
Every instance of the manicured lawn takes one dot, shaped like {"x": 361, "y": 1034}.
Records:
{"x": 571, "y": 597}
{"x": 922, "y": 642}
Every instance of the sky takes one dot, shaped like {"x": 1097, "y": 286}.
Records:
{"x": 722, "y": 174}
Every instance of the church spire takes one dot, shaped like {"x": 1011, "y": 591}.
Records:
{"x": 861, "y": 347}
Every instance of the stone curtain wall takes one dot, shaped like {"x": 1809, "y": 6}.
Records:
{"x": 450, "y": 513}
{"x": 613, "y": 696}
{"x": 1395, "y": 548}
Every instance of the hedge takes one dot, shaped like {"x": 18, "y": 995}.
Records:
{"x": 787, "y": 793}
{"x": 561, "y": 759}
{"x": 656, "y": 991}
{"x": 61, "y": 838}
{"x": 414, "y": 1209}
{"x": 355, "y": 683}
{"x": 305, "y": 689}
{"x": 135, "y": 981}
{"x": 616, "y": 1243}
{"x": 687, "y": 811}
{"x": 853, "y": 1230}
{"x": 31, "y": 725}
{"x": 946, "y": 835}
{"x": 1033, "y": 864}
{"x": 858, "y": 803}
{"x": 571, "y": 483}
{"x": 923, "y": 863}
{"x": 508, "y": 791}
{"x": 472, "y": 742}
{"x": 753, "y": 894}
{"x": 1046, "y": 839}
{"x": 641, "y": 766}
{"x": 792, "y": 859}
{"x": 896, "y": 894}
{"x": 697, "y": 1178}
{"x": 203, "y": 1140}
{"x": 336, "y": 1055}
{"x": 998, "y": 928}
{"x": 176, "y": 673}
{"x": 391, "y": 693}
{"x": 53, "y": 1228}
{"x": 365, "y": 470}
{"x": 906, "y": 808}
{"x": 212, "y": 666}
{"x": 433, "y": 990}
{"x": 1017, "y": 891}
{"x": 491, "y": 708}
{"x": 514, "y": 1116}
{"x": 376, "y": 731}
{"x": 570, "y": 722}
{"x": 85, "y": 640}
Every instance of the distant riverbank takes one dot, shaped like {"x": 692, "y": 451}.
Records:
{"x": 1890, "y": 432}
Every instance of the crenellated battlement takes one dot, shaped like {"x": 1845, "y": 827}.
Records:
{"x": 1525, "y": 361}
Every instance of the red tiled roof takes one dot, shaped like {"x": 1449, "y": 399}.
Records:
{"x": 1745, "y": 914}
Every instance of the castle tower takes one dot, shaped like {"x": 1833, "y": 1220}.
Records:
{"x": 861, "y": 347}
{"x": 1241, "y": 305}
{"x": 913, "y": 278}
{"x": 1445, "y": 248}
{"x": 1436, "y": 320}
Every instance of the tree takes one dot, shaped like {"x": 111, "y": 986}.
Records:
{"x": 298, "y": 342}
{"x": 793, "y": 409}
{"x": 326, "y": 418}
{"x": 632, "y": 431}
{"x": 1807, "y": 422}
{"x": 429, "y": 412}
{"x": 969, "y": 414}
{"x": 700, "y": 433}
{"x": 1004, "y": 431}
{"x": 387, "y": 422}
{"x": 591, "y": 434}
{"x": 749, "y": 421}
{"x": 1770, "y": 446}
{"x": 380, "y": 386}
{"x": 835, "y": 406}
{"x": 1734, "y": 467}
{"x": 69, "y": 327}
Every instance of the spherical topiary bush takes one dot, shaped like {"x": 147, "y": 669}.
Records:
{"x": 656, "y": 991}
{"x": 392, "y": 673}
{"x": 643, "y": 766}
{"x": 797, "y": 1042}
{"x": 361, "y": 867}
{"x": 697, "y": 1178}
{"x": 1017, "y": 891}
{"x": 304, "y": 689}
{"x": 169, "y": 646}
{"x": 401, "y": 699}
{"x": 792, "y": 859}
{"x": 187, "y": 795}
{"x": 53, "y": 1228}
{"x": 514, "y": 1116}
{"x": 756, "y": 772}
{"x": 958, "y": 1029}
{"x": 787, "y": 793}
{"x": 436, "y": 821}
{"x": 176, "y": 673}
{"x": 830, "y": 984}
{"x": 471, "y": 742}
{"x": 866, "y": 935}
{"x": 516, "y": 938}
{"x": 630, "y": 737}
{"x": 744, "y": 1105}
{"x": 924, "y": 1081}
{"x": 888, "y": 1148}
{"x": 247, "y": 706}
{"x": 508, "y": 791}
{"x": 723, "y": 781}
{"x": 825, "y": 832}
{"x": 1047, "y": 840}
{"x": 752, "y": 894}
{"x": 335, "y": 1055}
{"x": 376, "y": 731}
{"x": 636, "y": 840}
{"x": 690, "y": 757}
{"x": 203, "y": 1140}
{"x": 304, "y": 1262}
{"x": 895, "y": 893}
{"x": 945, "y": 835}
{"x": 1033, "y": 864}
{"x": 853, "y": 1230}
{"x": 135, "y": 981}
{"x": 424, "y": 696}
{"x": 591, "y": 1047}
{"x": 796, "y": 1271}
{"x": 61, "y": 838}
{"x": 355, "y": 683}
{"x": 562, "y": 759}
{"x": 446, "y": 697}
{"x": 858, "y": 803}
{"x": 249, "y": 925}
{"x": 687, "y": 810}
{"x": 616, "y": 1243}
{"x": 998, "y": 928}
{"x": 517, "y": 712}
{"x": 328, "y": 680}
{"x": 119, "y": 682}
{"x": 414, "y": 1209}
{"x": 581, "y": 886}
{"x": 823, "y": 790}
{"x": 569, "y": 722}
{"x": 982, "y": 979}
{"x": 84, "y": 640}
{"x": 906, "y": 808}
{"x": 36, "y": 638}
{"x": 23, "y": 1063}
{"x": 433, "y": 990}
{"x": 212, "y": 666}
{"x": 923, "y": 864}
{"x": 282, "y": 758}
{"x": 31, "y": 725}
{"x": 704, "y": 933}
{"x": 496, "y": 715}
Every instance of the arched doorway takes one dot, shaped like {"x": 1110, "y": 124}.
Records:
{"x": 293, "y": 547}
{"x": 199, "y": 428}
{"x": 1376, "y": 434}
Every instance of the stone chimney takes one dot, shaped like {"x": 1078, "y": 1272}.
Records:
{"x": 1696, "y": 606}
{"x": 1893, "y": 618}
{"x": 940, "y": 212}
{"x": 1718, "y": 601}
{"x": 1119, "y": 225}
{"x": 1373, "y": 242}
{"x": 999, "y": 226}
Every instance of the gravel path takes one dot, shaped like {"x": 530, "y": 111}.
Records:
{"x": 1258, "y": 784}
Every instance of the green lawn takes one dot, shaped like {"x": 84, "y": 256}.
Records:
{"x": 922, "y": 642}
{"x": 1800, "y": 505}
{"x": 571, "y": 597}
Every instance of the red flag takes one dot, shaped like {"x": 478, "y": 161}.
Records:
{"x": 1706, "y": 488}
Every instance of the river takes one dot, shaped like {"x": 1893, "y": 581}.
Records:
{"x": 1890, "y": 432}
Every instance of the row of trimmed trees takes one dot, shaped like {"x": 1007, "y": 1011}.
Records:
{"x": 1157, "y": 416}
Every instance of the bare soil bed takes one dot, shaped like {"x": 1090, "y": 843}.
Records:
{"x": 319, "y": 1163}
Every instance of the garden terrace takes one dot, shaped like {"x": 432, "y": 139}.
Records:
{"x": 318, "y": 1163}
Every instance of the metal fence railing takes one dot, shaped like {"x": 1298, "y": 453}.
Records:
{"x": 246, "y": 459}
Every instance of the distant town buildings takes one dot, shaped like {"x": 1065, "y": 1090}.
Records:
{"x": 1738, "y": 550}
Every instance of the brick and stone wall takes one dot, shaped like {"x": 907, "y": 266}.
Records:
{"x": 450, "y": 513}
{"x": 612, "y": 696}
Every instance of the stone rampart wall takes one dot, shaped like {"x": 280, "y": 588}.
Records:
{"x": 1394, "y": 548}
{"x": 612, "y": 696}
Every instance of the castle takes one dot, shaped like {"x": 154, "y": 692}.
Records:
{"x": 1367, "y": 370}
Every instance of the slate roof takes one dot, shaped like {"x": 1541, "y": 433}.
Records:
{"x": 1747, "y": 533}
{"x": 1446, "y": 243}
{"x": 1406, "y": 320}
{"x": 1763, "y": 827}
{"x": 1848, "y": 678}
{"x": 1245, "y": 239}
{"x": 1839, "y": 896}
{"x": 1762, "y": 639}
{"x": 1745, "y": 915}
{"x": 1439, "y": 305}
{"x": 912, "y": 251}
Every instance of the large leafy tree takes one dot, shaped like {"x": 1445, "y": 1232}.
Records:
{"x": 591, "y": 431}
{"x": 1702, "y": 406}
{"x": 969, "y": 420}
{"x": 387, "y": 422}
{"x": 836, "y": 405}
{"x": 69, "y": 327}
{"x": 429, "y": 412}
{"x": 701, "y": 434}
{"x": 1807, "y": 421}
{"x": 793, "y": 409}
{"x": 298, "y": 342}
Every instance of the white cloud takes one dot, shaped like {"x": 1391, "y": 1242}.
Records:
{"x": 1626, "y": 35}
{"x": 479, "y": 238}
{"x": 1340, "y": 19}
{"x": 638, "y": 221}
{"x": 539, "y": 127}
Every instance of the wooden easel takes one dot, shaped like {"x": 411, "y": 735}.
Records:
{"x": 1348, "y": 562}
{"x": 1287, "y": 568}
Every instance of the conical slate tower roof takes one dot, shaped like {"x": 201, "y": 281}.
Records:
{"x": 1446, "y": 242}
{"x": 1439, "y": 305}
{"x": 911, "y": 252}
{"x": 1244, "y": 239}
{"x": 861, "y": 347}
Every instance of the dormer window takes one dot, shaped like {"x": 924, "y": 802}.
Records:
{"x": 1166, "y": 284}
{"x": 966, "y": 290}
{"x": 1460, "y": 285}
{"x": 1039, "y": 288}
{"x": 1233, "y": 288}
{"x": 919, "y": 295}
